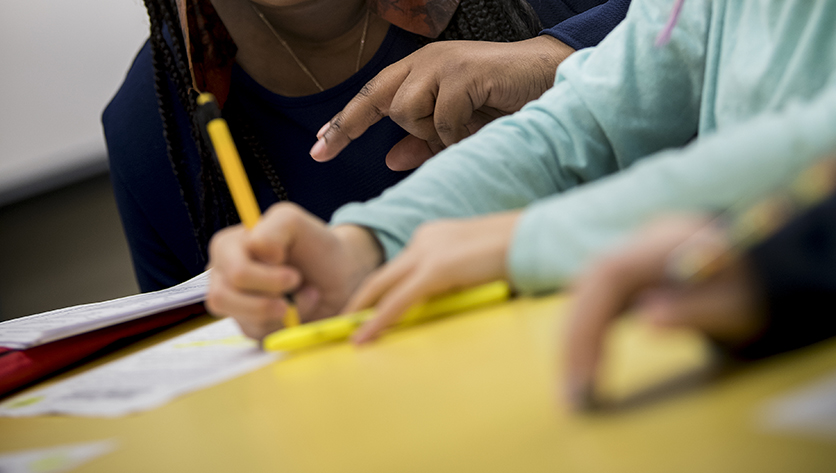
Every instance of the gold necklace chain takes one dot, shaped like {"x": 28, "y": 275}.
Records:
{"x": 298, "y": 61}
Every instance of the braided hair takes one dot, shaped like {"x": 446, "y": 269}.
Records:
{"x": 492, "y": 20}
{"x": 207, "y": 199}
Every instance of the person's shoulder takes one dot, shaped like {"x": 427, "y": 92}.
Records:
{"x": 552, "y": 12}
{"x": 133, "y": 90}
{"x": 131, "y": 121}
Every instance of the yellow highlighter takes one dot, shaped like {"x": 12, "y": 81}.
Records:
{"x": 342, "y": 326}
{"x": 223, "y": 147}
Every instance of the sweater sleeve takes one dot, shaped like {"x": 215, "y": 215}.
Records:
{"x": 556, "y": 236}
{"x": 797, "y": 269}
{"x": 589, "y": 27}
{"x": 577, "y": 132}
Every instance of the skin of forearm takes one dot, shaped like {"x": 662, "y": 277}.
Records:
{"x": 363, "y": 250}
{"x": 544, "y": 53}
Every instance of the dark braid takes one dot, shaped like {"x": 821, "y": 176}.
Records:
{"x": 208, "y": 175}
{"x": 174, "y": 145}
{"x": 492, "y": 20}
{"x": 221, "y": 211}
{"x": 207, "y": 201}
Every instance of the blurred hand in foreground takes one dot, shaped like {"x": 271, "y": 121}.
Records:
{"x": 289, "y": 251}
{"x": 727, "y": 306}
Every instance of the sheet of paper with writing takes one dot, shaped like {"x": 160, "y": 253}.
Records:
{"x": 26, "y": 332}
{"x": 149, "y": 378}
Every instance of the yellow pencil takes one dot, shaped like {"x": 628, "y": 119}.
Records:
{"x": 342, "y": 326}
{"x": 227, "y": 155}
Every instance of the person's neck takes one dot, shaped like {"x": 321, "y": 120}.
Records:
{"x": 324, "y": 34}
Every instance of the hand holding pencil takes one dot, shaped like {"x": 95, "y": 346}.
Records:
{"x": 258, "y": 264}
{"x": 289, "y": 251}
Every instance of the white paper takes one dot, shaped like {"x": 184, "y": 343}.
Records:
{"x": 149, "y": 378}
{"x": 26, "y": 332}
{"x": 809, "y": 411}
{"x": 54, "y": 459}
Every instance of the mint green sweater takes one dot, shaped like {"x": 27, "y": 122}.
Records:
{"x": 612, "y": 145}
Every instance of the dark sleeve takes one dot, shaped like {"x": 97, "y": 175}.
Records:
{"x": 156, "y": 224}
{"x": 580, "y": 23}
{"x": 155, "y": 265}
{"x": 797, "y": 269}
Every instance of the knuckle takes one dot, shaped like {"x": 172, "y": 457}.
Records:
{"x": 435, "y": 144}
{"x": 444, "y": 126}
{"x": 294, "y": 218}
{"x": 220, "y": 240}
{"x": 285, "y": 279}
{"x": 456, "y": 67}
{"x": 265, "y": 310}
{"x": 250, "y": 330}
{"x": 279, "y": 209}
{"x": 284, "y": 213}
{"x": 368, "y": 110}
{"x": 369, "y": 89}
{"x": 336, "y": 125}
{"x": 404, "y": 111}
{"x": 398, "y": 112}
{"x": 215, "y": 248}
{"x": 394, "y": 70}
{"x": 217, "y": 240}
{"x": 236, "y": 274}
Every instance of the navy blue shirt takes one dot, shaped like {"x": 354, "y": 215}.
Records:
{"x": 157, "y": 226}
{"x": 580, "y": 23}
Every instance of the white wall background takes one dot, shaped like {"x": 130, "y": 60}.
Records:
{"x": 60, "y": 63}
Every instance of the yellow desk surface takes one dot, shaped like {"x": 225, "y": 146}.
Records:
{"x": 476, "y": 392}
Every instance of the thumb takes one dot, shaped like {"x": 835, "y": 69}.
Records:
{"x": 409, "y": 153}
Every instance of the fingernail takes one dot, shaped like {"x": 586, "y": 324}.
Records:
{"x": 358, "y": 338}
{"x": 362, "y": 332}
{"x": 361, "y": 336}
{"x": 322, "y": 130}
{"x": 317, "y": 149}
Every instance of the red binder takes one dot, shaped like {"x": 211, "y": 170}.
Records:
{"x": 19, "y": 368}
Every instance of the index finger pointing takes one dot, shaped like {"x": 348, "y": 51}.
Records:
{"x": 364, "y": 110}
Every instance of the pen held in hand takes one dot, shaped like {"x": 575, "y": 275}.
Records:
{"x": 342, "y": 326}
{"x": 216, "y": 131}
